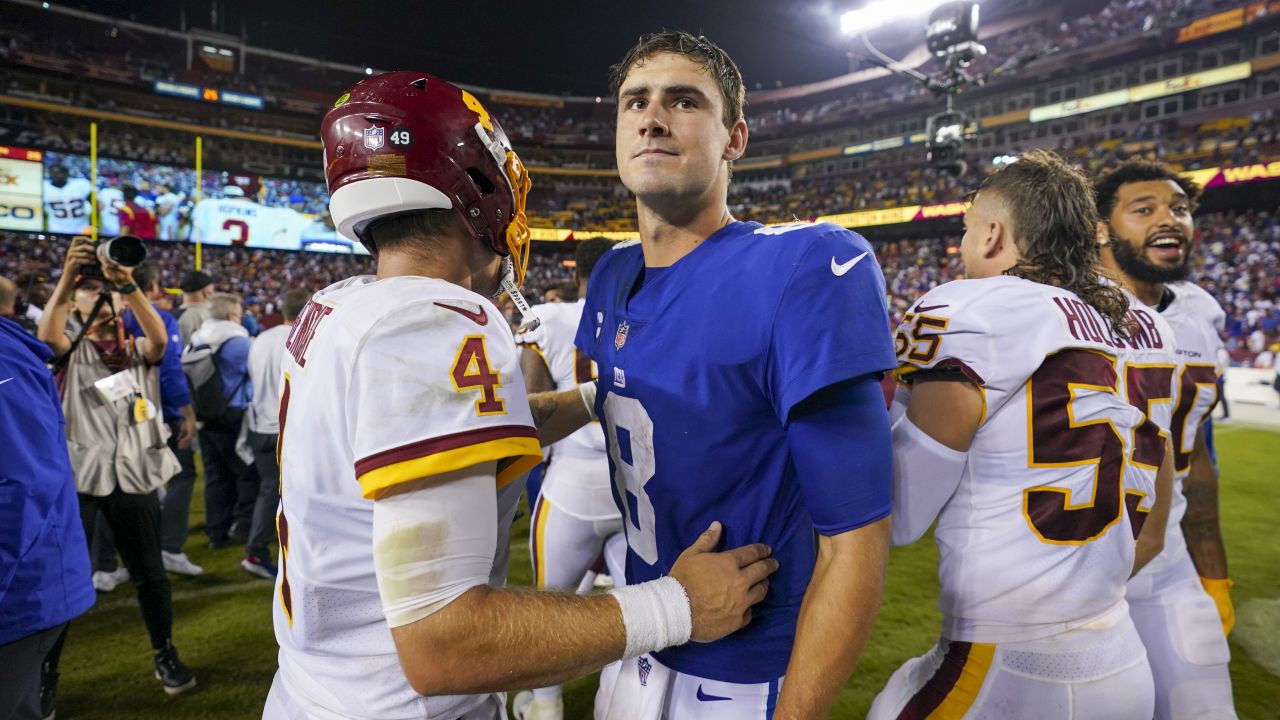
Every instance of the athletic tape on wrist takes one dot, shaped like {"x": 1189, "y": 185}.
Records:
{"x": 656, "y": 615}
{"x": 588, "y": 391}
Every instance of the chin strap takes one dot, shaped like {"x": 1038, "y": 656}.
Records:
{"x": 529, "y": 321}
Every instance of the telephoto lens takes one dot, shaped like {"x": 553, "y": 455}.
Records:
{"x": 126, "y": 250}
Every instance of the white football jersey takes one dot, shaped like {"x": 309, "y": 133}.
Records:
{"x": 110, "y": 200}
{"x": 244, "y": 222}
{"x": 67, "y": 208}
{"x": 384, "y": 382}
{"x": 585, "y": 495}
{"x": 1039, "y": 536}
{"x": 1197, "y": 321}
{"x": 168, "y": 222}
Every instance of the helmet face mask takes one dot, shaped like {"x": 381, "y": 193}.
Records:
{"x": 405, "y": 142}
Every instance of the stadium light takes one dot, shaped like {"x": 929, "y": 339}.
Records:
{"x": 368, "y": 70}
{"x": 878, "y": 13}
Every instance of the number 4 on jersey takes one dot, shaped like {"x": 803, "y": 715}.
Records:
{"x": 471, "y": 371}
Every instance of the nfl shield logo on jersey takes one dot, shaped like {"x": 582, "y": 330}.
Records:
{"x": 620, "y": 338}
{"x": 374, "y": 137}
{"x": 644, "y": 666}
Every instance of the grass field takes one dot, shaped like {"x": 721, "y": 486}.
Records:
{"x": 223, "y": 619}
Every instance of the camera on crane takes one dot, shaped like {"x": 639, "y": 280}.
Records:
{"x": 945, "y": 134}
{"x": 952, "y": 34}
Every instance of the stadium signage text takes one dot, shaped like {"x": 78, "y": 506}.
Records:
{"x": 1250, "y": 173}
{"x": 21, "y": 189}
{"x": 214, "y": 95}
{"x": 1227, "y": 20}
{"x": 1138, "y": 93}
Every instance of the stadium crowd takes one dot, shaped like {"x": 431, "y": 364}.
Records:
{"x": 1237, "y": 260}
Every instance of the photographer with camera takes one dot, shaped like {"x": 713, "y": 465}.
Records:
{"x": 109, "y": 382}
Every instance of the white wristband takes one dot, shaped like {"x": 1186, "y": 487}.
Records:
{"x": 656, "y": 615}
{"x": 588, "y": 391}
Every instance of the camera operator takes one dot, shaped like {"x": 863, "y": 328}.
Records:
{"x": 115, "y": 433}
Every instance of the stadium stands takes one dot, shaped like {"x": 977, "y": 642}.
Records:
{"x": 1237, "y": 260}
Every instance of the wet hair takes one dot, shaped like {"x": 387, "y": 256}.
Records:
{"x": 1055, "y": 227}
{"x": 722, "y": 69}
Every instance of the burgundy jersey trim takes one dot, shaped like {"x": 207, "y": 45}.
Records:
{"x": 432, "y": 446}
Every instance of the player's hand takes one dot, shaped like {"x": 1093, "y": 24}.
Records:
{"x": 80, "y": 253}
{"x": 722, "y": 586}
{"x": 117, "y": 275}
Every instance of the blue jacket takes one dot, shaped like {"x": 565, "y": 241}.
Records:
{"x": 44, "y": 559}
{"x": 174, "y": 392}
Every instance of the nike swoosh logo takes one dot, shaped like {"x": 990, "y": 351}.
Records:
{"x": 477, "y": 316}
{"x": 4, "y": 381}
{"x": 927, "y": 308}
{"x": 712, "y": 698}
{"x": 839, "y": 269}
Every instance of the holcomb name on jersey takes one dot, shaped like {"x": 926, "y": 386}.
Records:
{"x": 1025, "y": 553}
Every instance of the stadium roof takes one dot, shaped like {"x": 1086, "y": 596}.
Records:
{"x": 564, "y": 46}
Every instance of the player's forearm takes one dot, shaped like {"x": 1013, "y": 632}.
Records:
{"x": 558, "y": 414}
{"x": 537, "y": 378}
{"x": 52, "y": 328}
{"x": 836, "y": 617}
{"x": 492, "y": 639}
{"x": 1150, "y": 541}
{"x": 1200, "y": 525}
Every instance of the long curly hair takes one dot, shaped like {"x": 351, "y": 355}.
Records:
{"x": 1055, "y": 226}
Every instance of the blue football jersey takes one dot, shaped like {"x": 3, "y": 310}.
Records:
{"x": 698, "y": 372}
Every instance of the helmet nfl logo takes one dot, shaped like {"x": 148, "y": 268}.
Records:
{"x": 374, "y": 137}
{"x": 644, "y": 666}
{"x": 620, "y": 338}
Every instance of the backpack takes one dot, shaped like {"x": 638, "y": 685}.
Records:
{"x": 208, "y": 398}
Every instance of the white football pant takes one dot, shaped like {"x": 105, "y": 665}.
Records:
{"x": 644, "y": 689}
{"x": 1186, "y": 647}
{"x": 1097, "y": 672}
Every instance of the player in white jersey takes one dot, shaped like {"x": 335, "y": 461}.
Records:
{"x": 110, "y": 200}
{"x": 574, "y": 515}
{"x": 404, "y": 428}
{"x": 237, "y": 220}
{"x": 1181, "y": 602}
{"x": 67, "y": 203}
{"x": 167, "y": 212}
{"x": 1035, "y": 433}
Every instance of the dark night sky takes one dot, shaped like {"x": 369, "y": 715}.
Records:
{"x": 564, "y": 46}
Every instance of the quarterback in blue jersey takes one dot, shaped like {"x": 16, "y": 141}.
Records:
{"x": 739, "y": 381}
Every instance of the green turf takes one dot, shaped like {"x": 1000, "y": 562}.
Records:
{"x": 223, "y": 619}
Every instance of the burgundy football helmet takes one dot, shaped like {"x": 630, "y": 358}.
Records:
{"x": 241, "y": 185}
{"x": 407, "y": 141}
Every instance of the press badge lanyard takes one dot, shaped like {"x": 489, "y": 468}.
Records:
{"x": 122, "y": 384}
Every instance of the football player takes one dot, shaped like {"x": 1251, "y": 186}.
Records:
{"x": 1035, "y": 433}
{"x": 239, "y": 219}
{"x": 404, "y": 425}
{"x": 574, "y": 514}
{"x": 739, "y": 378}
{"x": 1181, "y": 602}
{"x": 167, "y": 211}
{"x": 66, "y": 202}
{"x": 110, "y": 200}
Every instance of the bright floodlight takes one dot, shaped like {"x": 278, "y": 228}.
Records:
{"x": 882, "y": 12}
